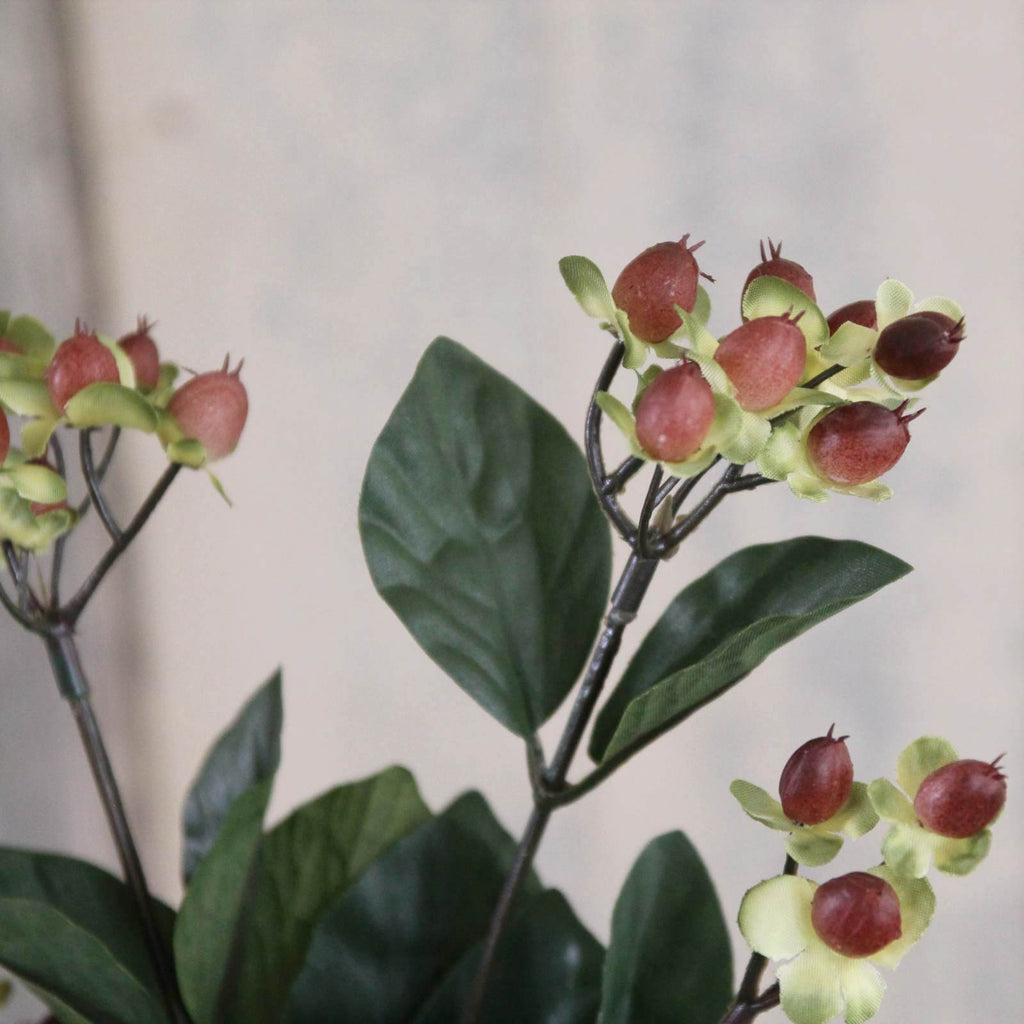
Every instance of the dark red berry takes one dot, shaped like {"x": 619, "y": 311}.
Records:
{"x": 774, "y": 265}
{"x": 675, "y": 413}
{"x": 764, "y": 359}
{"x": 5, "y": 436}
{"x": 663, "y": 276}
{"x": 919, "y": 346}
{"x": 859, "y": 442}
{"x": 861, "y": 312}
{"x": 78, "y": 362}
{"x": 817, "y": 779}
{"x": 212, "y": 408}
{"x": 856, "y": 914}
{"x": 141, "y": 350}
{"x": 961, "y": 798}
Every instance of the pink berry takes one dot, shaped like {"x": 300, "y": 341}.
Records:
{"x": 858, "y": 442}
{"x": 141, "y": 350}
{"x": 919, "y": 346}
{"x": 675, "y": 413}
{"x": 856, "y": 914}
{"x": 78, "y": 362}
{"x": 764, "y": 359}
{"x": 817, "y": 780}
{"x": 860, "y": 312}
{"x": 5, "y": 436}
{"x": 212, "y": 408}
{"x": 774, "y": 265}
{"x": 663, "y": 276}
{"x": 961, "y": 798}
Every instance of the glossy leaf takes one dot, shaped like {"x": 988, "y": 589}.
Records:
{"x": 482, "y": 532}
{"x": 385, "y": 948}
{"x": 727, "y": 622}
{"x": 71, "y": 932}
{"x": 246, "y": 753}
{"x": 300, "y": 870}
{"x": 669, "y": 957}
{"x": 104, "y": 403}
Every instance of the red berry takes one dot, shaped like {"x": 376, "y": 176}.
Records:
{"x": 961, "y": 798}
{"x": 675, "y": 413}
{"x": 858, "y": 442}
{"x": 141, "y": 350}
{"x": 6, "y": 345}
{"x": 856, "y": 914}
{"x": 774, "y": 265}
{"x": 764, "y": 359}
{"x": 861, "y": 312}
{"x": 663, "y": 276}
{"x": 78, "y": 362}
{"x": 919, "y": 345}
{"x": 817, "y": 779}
{"x": 5, "y": 436}
{"x": 212, "y": 408}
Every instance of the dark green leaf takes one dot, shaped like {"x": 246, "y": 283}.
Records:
{"x": 402, "y": 944}
{"x": 669, "y": 958}
{"x": 481, "y": 531}
{"x": 246, "y": 753}
{"x": 242, "y": 970}
{"x": 71, "y": 932}
{"x": 726, "y": 623}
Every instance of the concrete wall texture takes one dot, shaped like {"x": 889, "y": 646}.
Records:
{"x": 322, "y": 188}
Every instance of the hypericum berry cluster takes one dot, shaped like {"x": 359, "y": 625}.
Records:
{"x": 836, "y": 933}
{"x": 744, "y": 397}
{"x": 90, "y": 381}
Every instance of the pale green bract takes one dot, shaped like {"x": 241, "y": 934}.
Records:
{"x": 817, "y": 983}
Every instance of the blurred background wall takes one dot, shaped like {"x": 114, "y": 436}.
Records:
{"x": 322, "y": 188}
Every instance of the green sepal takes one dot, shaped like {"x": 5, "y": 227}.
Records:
{"x": 917, "y": 905}
{"x": 908, "y": 850}
{"x": 772, "y": 296}
{"x": 617, "y": 412}
{"x": 36, "y": 434}
{"x": 812, "y": 987}
{"x": 35, "y": 483}
{"x": 643, "y": 382}
{"x": 775, "y": 916}
{"x": 856, "y": 817}
{"x": 586, "y": 282}
{"x": 219, "y": 488}
{"x": 962, "y": 856}
{"x": 702, "y": 305}
{"x": 161, "y": 394}
{"x": 781, "y": 453}
{"x": 104, "y": 404}
{"x": 760, "y": 806}
{"x": 800, "y": 397}
{"x": 5, "y": 319}
{"x": 27, "y": 398}
{"x": 940, "y": 304}
{"x": 851, "y": 344}
{"x": 32, "y": 338}
{"x": 636, "y": 350}
{"x": 696, "y": 463}
{"x": 188, "y": 453}
{"x": 890, "y": 803}
{"x": 807, "y": 485}
{"x": 811, "y": 848}
{"x": 918, "y": 760}
{"x": 125, "y": 368}
{"x": 33, "y": 532}
{"x": 713, "y": 373}
{"x": 750, "y": 439}
{"x": 16, "y": 367}
{"x": 892, "y": 302}
{"x": 701, "y": 339}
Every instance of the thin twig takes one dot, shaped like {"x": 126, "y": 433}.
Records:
{"x": 651, "y": 502}
{"x": 19, "y": 616}
{"x": 57, "y": 561}
{"x": 92, "y": 483}
{"x": 622, "y": 474}
{"x": 101, "y": 468}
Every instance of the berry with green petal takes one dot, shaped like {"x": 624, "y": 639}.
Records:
{"x": 857, "y": 443}
{"x": 5, "y": 437}
{"x": 764, "y": 358}
{"x": 212, "y": 408}
{"x": 856, "y": 914}
{"x": 141, "y": 350}
{"x": 674, "y": 413}
{"x": 861, "y": 312}
{"x": 6, "y": 345}
{"x": 79, "y": 361}
{"x": 775, "y": 265}
{"x": 918, "y": 346}
{"x": 817, "y": 779}
{"x": 660, "y": 278}
{"x": 960, "y": 799}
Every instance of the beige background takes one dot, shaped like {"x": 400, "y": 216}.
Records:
{"x": 322, "y": 188}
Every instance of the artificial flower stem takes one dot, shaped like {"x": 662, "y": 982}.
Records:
{"x": 93, "y": 480}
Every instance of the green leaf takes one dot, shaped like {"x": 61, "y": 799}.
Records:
{"x": 248, "y": 752}
{"x": 669, "y": 957}
{"x": 207, "y": 932}
{"x": 71, "y": 932}
{"x": 27, "y": 398}
{"x": 586, "y": 282}
{"x": 301, "y": 869}
{"x": 188, "y": 452}
{"x": 726, "y": 623}
{"x": 104, "y": 403}
{"x": 481, "y": 531}
{"x": 385, "y": 948}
